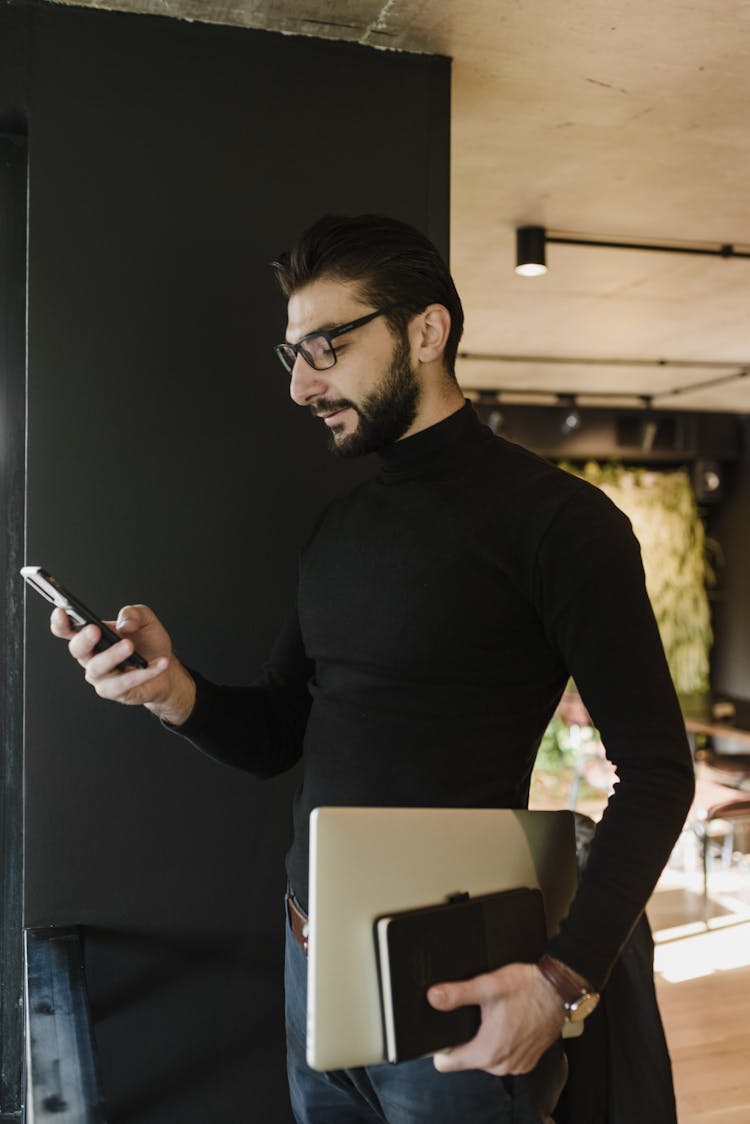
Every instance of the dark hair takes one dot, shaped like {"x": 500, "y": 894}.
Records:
{"x": 394, "y": 264}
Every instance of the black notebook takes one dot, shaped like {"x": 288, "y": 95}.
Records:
{"x": 456, "y": 940}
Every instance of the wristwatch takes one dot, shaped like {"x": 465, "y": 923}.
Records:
{"x": 579, "y": 999}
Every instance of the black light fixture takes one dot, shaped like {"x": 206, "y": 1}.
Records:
{"x": 531, "y": 242}
{"x": 708, "y": 481}
{"x": 530, "y": 256}
{"x": 571, "y": 417}
{"x": 649, "y": 426}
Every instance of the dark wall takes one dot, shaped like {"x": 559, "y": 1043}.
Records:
{"x": 169, "y": 162}
{"x": 731, "y": 529}
{"x": 13, "y": 164}
{"x": 661, "y": 437}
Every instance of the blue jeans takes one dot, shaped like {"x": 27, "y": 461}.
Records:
{"x": 410, "y": 1092}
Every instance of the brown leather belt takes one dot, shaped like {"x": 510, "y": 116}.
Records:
{"x": 298, "y": 923}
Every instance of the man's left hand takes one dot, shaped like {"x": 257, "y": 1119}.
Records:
{"x": 522, "y": 1016}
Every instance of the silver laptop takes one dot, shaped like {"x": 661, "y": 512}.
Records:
{"x": 365, "y": 862}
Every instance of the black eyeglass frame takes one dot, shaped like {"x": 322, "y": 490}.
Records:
{"x": 298, "y": 348}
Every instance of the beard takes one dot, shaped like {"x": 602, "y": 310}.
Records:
{"x": 384, "y": 415}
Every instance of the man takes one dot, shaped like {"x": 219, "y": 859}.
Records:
{"x": 441, "y": 608}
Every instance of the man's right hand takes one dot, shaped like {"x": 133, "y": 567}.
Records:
{"x": 165, "y": 687}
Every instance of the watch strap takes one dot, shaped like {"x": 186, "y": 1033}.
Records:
{"x": 579, "y": 997}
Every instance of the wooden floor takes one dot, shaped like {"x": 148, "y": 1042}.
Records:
{"x": 703, "y": 984}
{"x": 702, "y": 980}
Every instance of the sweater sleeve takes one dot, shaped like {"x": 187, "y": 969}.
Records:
{"x": 259, "y": 728}
{"x": 590, "y": 590}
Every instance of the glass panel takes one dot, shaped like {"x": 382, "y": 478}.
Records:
{"x": 321, "y": 354}
{"x": 287, "y": 355}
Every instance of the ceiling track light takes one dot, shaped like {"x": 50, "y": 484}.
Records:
{"x": 649, "y": 425}
{"x": 571, "y": 403}
{"x": 531, "y": 243}
{"x": 530, "y": 251}
{"x": 571, "y": 416}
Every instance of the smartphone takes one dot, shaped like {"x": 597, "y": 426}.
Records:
{"x": 52, "y": 590}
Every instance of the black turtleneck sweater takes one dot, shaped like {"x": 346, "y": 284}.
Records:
{"x": 441, "y": 607}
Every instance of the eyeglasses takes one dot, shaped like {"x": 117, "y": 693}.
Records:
{"x": 317, "y": 348}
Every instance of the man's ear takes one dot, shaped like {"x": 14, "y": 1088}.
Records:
{"x": 434, "y": 325}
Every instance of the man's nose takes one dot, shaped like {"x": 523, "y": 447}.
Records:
{"x": 306, "y": 383}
